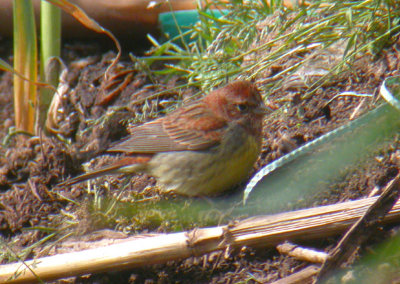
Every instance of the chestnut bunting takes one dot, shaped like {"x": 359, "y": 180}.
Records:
{"x": 202, "y": 148}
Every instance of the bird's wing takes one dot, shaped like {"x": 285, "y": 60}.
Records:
{"x": 194, "y": 127}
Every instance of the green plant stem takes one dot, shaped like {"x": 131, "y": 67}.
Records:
{"x": 50, "y": 43}
{"x": 25, "y": 63}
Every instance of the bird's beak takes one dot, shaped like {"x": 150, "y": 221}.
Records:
{"x": 262, "y": 110}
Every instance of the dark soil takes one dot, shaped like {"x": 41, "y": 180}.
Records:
{"x": 97, "y": 112}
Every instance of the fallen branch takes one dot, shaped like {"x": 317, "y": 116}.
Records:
{"x": 360, "y": 231}
{"x": 262, "y": 231}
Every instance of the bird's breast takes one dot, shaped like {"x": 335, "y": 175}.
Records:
{"x": 210, "y": 171}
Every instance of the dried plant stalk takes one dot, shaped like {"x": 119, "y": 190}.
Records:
{"x": 263, "y": 231}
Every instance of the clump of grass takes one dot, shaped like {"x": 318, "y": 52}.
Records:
{"x": 212, "y": 54}
{"x": 219, "y": 46}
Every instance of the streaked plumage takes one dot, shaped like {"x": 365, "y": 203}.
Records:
{"x": 202, "y": 148}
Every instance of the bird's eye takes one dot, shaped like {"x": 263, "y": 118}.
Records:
{"x": 242, "y": 107}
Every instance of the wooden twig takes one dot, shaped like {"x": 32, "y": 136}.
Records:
{"x": 361, "y": 230}
{"x": 301, "y": 277}
{"x": 263, "y": 231}
{"x": 301, "y": 253}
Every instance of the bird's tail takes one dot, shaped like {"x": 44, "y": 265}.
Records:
{"x": 101, "y": 172}
{"x": 126, "y": 165}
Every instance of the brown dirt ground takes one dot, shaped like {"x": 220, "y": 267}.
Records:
{"x": 31, "y": 167}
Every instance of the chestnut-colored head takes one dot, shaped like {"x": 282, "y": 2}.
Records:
{"x": 240, "y": 102}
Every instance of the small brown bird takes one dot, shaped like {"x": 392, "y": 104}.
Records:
{"x": 202, "y": 148}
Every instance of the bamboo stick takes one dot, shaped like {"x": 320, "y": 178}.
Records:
{"x": 265, "y": 231}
